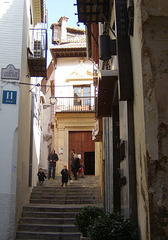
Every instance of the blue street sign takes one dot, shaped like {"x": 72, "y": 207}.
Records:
{"x": 9, "y": 97}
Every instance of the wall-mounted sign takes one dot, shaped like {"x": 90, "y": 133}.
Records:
{"x": 9, "y": 97}
{"x": 60, "y": 151}
{"x": 10, "y": 72}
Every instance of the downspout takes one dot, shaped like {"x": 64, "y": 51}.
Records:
{"x": 31, "y": 141}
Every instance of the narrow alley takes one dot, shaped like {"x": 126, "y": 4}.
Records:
{"x": 83, "y": 94}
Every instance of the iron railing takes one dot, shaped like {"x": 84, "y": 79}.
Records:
{"x": 77, "y": 104}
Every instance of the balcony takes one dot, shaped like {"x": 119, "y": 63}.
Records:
{"x": 37, "y": 53}
{"x": 71, "y": 104}
{"x": 93, "y": 11}
{"x": 107, "y": 86}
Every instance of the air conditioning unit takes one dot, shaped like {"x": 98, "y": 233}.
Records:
{"x": 37, "y": 49}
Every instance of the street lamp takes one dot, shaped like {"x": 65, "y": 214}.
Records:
{"x": 52, "y": 100}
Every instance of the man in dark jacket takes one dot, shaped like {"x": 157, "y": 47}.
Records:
{"x": 52, "y": 158}
{"x": 75, "y": 165}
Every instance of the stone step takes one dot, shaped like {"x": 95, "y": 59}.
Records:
{"x": 47, "y": 220}
{"x": 65, "y": 197}
{"x": 50, "y": 208}
{"x": 66, "y": 191}
{"x": 62, "y": 194}
{"x": 49, "y": 214}
{"x": 96, "y": 191}
{"x": 66, "y": 188}
{"x": 64, "y": 201}
{"x": 47, "y": 228}
{"x": 24, "y": 235}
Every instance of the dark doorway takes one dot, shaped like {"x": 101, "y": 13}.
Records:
{"x": 89, "y": 161}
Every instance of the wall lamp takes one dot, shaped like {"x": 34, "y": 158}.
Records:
{"x": 52, "y": 100}
{"x": 107, "y": 47}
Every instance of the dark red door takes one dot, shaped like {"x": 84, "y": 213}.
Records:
{"x": 82, "y": 142}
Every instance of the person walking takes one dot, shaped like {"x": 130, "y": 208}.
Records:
{"x": 75, "y": 165}
{"x": 81, "y": 169}
{"x": 65, "y": 176}
{"x": 41, "y": 176}
{"x": 52, "y": 159}
{"x": 72, "y": 157}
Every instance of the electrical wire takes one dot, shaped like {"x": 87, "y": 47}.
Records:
{"x": 43, "y": 85}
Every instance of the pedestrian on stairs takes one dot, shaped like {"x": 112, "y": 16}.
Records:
{"x": 41, "y": 176}
{"x": 52, "y": 159}
{"x": 71, "y": 158}
{"x": 65, "y": 176}
{"x": 75, "y": 165}
{"x": 81, "y": 169}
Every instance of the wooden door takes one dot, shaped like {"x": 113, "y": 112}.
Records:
{"x": 81, "y": 142}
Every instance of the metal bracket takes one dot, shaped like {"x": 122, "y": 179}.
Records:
{"x": 122, "y": 150}
{"x": 123, "y": 181}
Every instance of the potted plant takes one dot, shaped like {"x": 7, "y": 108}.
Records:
{"x": 112, "y": 227}
{"x": 86, "y": 217}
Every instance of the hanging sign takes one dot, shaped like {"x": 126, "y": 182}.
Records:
{"x": 9, "y": 97}
{"x": 10, "y": 72}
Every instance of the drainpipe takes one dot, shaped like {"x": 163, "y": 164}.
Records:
{"x": 31, "y": 141}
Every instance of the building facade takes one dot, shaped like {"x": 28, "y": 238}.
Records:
{"x": 16, "y": 112}
{"x": 74, "y": 93}
{"x": 134, "y": 125}
{"x": 47, "y": 120}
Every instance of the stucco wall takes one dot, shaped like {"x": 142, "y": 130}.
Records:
{"x": 139, "y": 125}
{"x": 23, "y": 190}
{"x": 156, "y": 119}
{"x": 11, "y": 15}
{"x": 149, "y": 55}
{"x": 46, "y": 137}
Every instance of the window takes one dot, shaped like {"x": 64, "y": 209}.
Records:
{"x": 82, "y": 95}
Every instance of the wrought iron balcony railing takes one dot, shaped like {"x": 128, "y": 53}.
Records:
{"x": 71, "y": 104}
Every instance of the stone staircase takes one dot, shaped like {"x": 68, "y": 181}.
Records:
{"x": 52, "y": 209}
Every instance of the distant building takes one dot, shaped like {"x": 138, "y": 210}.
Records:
{"x": 74, "y": 94}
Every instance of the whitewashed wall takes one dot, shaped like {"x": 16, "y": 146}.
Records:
{"x": 14, "y": 16}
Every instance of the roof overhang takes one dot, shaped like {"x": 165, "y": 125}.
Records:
{"x": 92, "y": 10}
{"x": 64, "y": 53}
{"x": 107, "y": 85}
